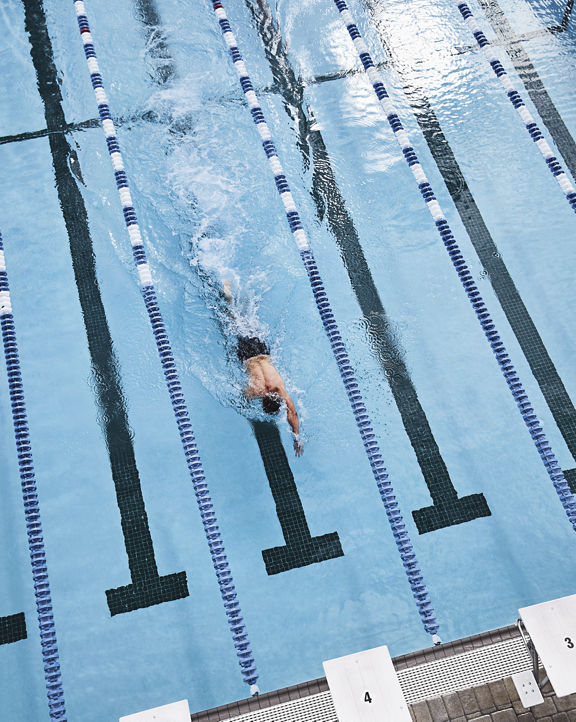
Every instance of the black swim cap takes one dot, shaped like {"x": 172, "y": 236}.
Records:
{"x": 272, "y": 403}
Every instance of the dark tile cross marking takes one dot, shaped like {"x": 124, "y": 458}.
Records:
{"x": 541, "y": 365}
{"x": 301, "y": 547}
{"x": 148, "y": 116}
{"x": 12, "y": 628}
{"x": 510, "y": 38}
{"x": 447, "y": 508}
{"x": 147, "y": 587}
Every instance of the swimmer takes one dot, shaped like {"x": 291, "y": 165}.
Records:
{"x": 264, "y": 380}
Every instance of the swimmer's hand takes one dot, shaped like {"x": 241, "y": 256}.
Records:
{"x": 298, "y": 445}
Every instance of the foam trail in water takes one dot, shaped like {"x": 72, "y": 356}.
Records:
{"x": 218, "y": 231}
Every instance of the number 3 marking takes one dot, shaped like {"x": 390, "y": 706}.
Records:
{"x": 569, "y": 643}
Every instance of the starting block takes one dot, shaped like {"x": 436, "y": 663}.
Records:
{"x": 549, "y": 630}
{"x": 175, "y": 712}
{"x": 365, "y": 688}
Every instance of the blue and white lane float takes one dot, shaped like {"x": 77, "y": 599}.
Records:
{"x": 515, "y": 98}
{"x": 205, "y": 505}
{"x": 514, "y": 384}
{"x": 401, "y": 537}
{"x": 50, "y": 655}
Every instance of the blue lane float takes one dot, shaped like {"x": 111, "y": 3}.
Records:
{"x": 179, "y": 406}
{"x": 512, "y": 379}
{"x": 515, "y": 98}
{"x": 401, "y": 537}
{"x": 50, "y": 654}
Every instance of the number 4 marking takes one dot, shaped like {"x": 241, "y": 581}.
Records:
{"x": 367, "y": 697}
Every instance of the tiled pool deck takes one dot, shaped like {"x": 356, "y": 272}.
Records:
{"x": 493, "y": 702}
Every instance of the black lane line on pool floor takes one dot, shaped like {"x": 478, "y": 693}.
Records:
{"x": 12, "y": 628}
{"x": 447, "y": 509}
{"x": 147, "y": 587}
{"x": 157, "y": 44}
{"x": 532, "y": 81}
{"x": 541, "y": 365}
{"x": 301, "y": 548}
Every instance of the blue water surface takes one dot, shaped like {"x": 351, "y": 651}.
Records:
{"x": 208, "y": 205}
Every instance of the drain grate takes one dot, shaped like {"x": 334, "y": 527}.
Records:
{"x": 315, "y": 708}
{"x": 425, "y": 681}
{"x": 462, "y": 671}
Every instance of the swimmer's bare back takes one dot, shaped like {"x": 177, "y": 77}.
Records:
{"x": 265, "y": 379}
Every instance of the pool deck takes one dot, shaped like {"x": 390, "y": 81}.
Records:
{"x": 493, "y": 702}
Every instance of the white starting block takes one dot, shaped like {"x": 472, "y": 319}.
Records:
{"x": 551, "y": 635}
{"x": 175, "y": 712}
{"x": 365, "y": 688}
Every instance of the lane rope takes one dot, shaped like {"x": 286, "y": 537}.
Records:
{"x": 510, "y": 375}
{"x": 554, "y": 165}
{"x": 401, "y": 537}
{"x": 49, "y": 643}
{"x": 205, "y": 505}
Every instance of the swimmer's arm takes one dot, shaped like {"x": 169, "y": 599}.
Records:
{"x": 228, "y": 298}
{"x": 295, "y": 425}
{"x": 291, "y": 413}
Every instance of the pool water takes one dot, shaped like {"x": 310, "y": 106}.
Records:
{"x": 209, "y": 210}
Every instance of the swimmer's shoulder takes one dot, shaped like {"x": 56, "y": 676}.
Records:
{"x": 257, "y": 360}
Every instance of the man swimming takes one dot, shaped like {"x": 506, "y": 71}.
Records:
{"x": 264, "y": 380}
